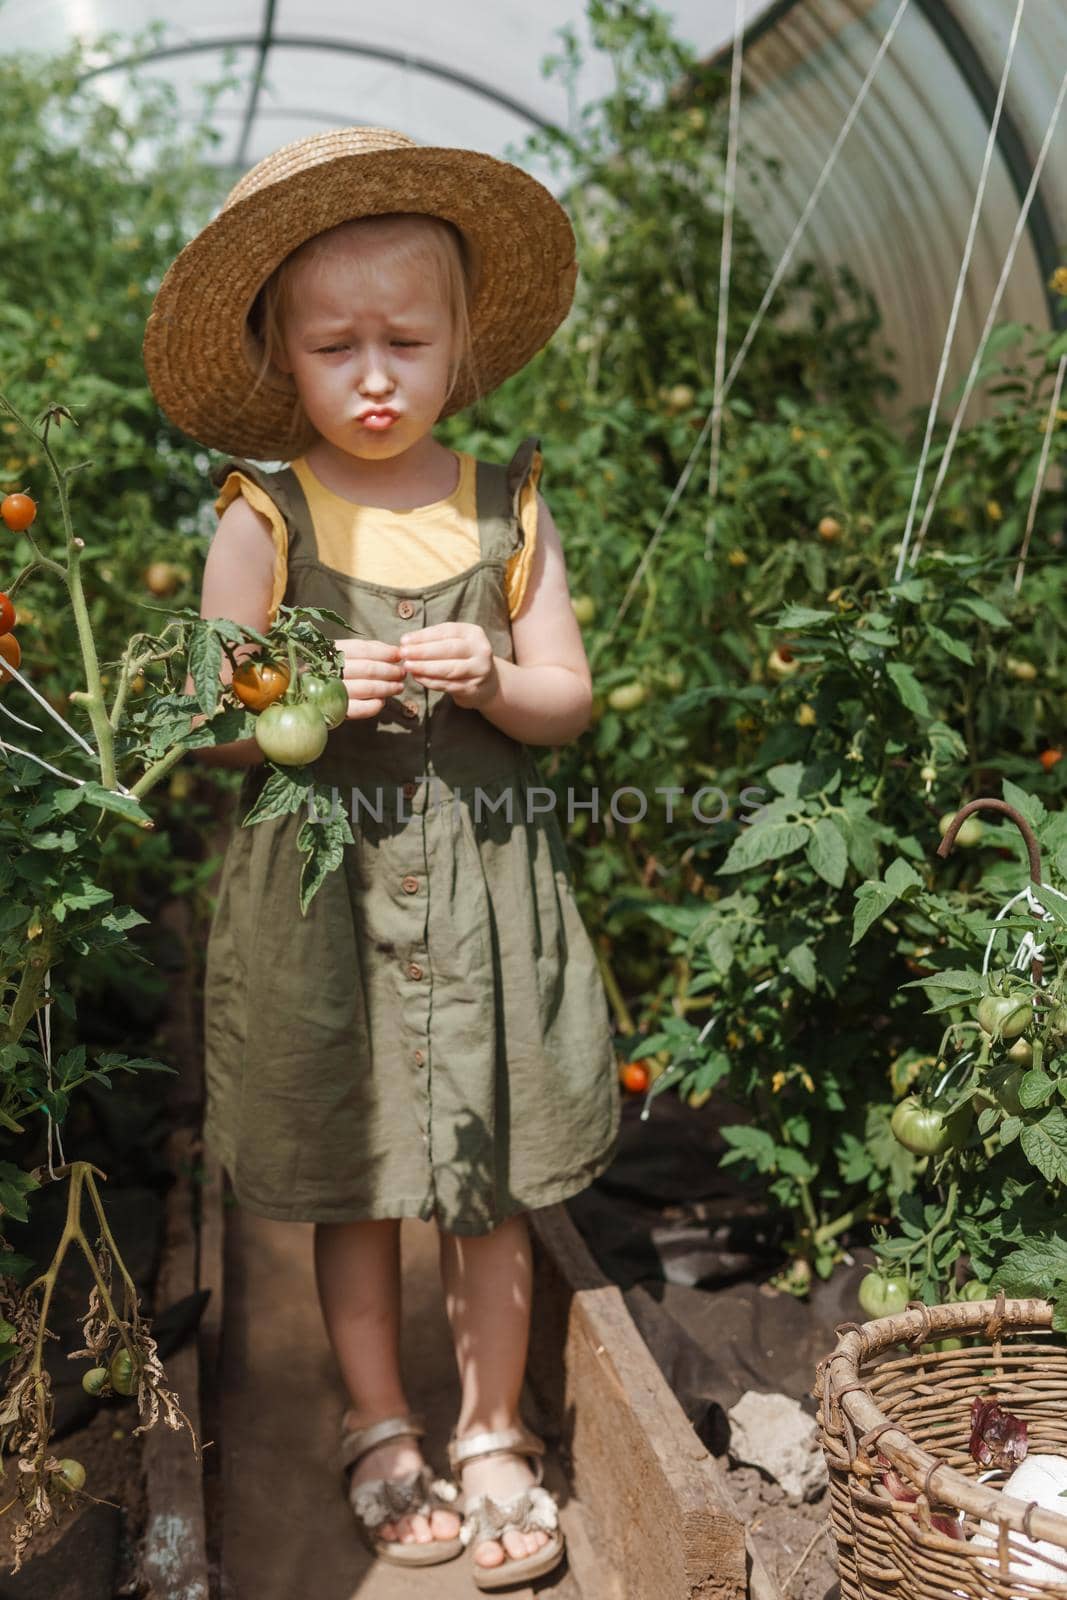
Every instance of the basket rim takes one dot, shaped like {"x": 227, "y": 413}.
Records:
{"x": 842, "y": 1388}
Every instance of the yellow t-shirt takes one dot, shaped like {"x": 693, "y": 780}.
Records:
{"x": 403, "y": 549}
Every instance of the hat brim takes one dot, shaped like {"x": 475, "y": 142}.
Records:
{"x": 197, "y": 350}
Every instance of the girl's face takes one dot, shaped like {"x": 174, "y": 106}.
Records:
{"x": 365, "y": 334}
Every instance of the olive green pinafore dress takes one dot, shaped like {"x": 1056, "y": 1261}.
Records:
{"x": 432, "y": 1039}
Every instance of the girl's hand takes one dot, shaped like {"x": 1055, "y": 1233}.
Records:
{"x": 371, "y": 673}
{"x": 455, "y": 657}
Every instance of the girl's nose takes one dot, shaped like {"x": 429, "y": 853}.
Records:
{"x": 376, "y": 372}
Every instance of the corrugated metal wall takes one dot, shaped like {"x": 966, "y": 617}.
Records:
{"x": 898, "y": 205}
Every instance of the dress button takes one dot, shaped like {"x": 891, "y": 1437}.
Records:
{"x": 405, "y": 609}
{"x": 410, "y": 885}
{"x": 414, "y": 970}
{"x": 410, "y": 708}
{"x": 409, "y": 791}
{"x": 418, "y": 1058}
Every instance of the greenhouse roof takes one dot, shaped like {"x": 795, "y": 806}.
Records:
{"x": 916, "y": 84}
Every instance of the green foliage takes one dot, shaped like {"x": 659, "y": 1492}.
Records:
{"x": 765, "y": 956}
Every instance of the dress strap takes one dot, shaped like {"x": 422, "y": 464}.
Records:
{"x": 283, "y": 487}
{"x": 499, "y": 491}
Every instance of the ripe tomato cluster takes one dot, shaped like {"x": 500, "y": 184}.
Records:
{"x": 17, "y": 512}
{"x": 290, "y": 732}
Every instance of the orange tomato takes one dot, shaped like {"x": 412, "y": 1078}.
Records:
{"x": 635, "y": 1076}
{"x": 1049, "y": 758}
{"x": 257, "y": 684}
{"x": 11, "y": 653}
{"x": 18, "y": 511}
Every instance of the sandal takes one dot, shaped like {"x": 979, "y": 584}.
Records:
{"x": 534, "y": 1510}
{"x": 381, "y": 1500}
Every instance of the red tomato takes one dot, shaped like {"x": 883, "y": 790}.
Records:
{"x": 18, "y": 511}
{"x": 635, "y": 1076}
{"x": 9, "y": 652}
{"x": 7, "y": 614}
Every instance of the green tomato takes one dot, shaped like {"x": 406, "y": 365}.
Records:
{"x": 970, "y": 833}
{"x": 975, "y": 1290}
{"x": 926, "y": 1131}
{"x": 883, "y": 1294}
{"x": 124, "y": 1373}
{"x": 329, "y": 697}
{"x": 1056, "y": 1023}
{"x": 1022, "y": 1052}
{"x": 1008, "y": 1093}
{"x": 70, "y": 1476}
{"x": 627, "y": 697}
{"x": 95, "y": 1381}
{"x": 1003, "y": 1016}
{"x": 584, "y": 607}
{"x": 291, "y": 735}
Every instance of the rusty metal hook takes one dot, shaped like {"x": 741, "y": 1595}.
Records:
{"x": 944, "y": 850}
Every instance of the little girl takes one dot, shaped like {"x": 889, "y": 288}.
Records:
{"x": 432, "y": 1038}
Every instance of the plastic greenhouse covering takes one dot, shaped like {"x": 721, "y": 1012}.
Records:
{"x": 888, "y": 113}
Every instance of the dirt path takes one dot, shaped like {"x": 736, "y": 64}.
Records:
{"x": 287, "y": 1530}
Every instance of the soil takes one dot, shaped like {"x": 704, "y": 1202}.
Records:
{"x": 793, "y": 1541}
{"x": 91, "y": 1546}
{"x": 694, "y": 1251}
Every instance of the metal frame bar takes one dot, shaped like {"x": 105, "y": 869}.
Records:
{"x": 300, "y": 41}
{"x": 1011, "y": 145}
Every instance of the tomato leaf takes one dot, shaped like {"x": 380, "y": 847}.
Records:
{"x": 322, "y": 843}
{"x": 280, "y": 796}
{"x": 764, "y": 841}
{"x": 872, "y": 900}
{"x": 1044, "y": 1144}
{"x": 205, "y": 663}
{"x": 801, "y": 963}
{"x": 908, "y": 688}
{"x": 827, "y": 853}
{"x": 1035, "y": 1089}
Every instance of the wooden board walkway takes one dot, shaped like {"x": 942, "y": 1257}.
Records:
{"x": 285, "y": 1526}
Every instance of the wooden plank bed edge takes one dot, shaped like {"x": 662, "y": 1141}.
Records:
{"x": 655, "y": 1506}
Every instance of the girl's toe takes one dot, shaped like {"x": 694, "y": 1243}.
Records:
{"x": 515, "y": 1544}
{"x": 444, "y": 1524}
{"x": 420, "y": 1529}
{"x": 387, "y": 1531}
{"x": 490, "y": 1553}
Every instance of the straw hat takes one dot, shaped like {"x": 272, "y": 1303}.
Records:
{"x": 200, "y": 355}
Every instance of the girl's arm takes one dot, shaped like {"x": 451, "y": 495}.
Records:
{"x": 544, "y": 696}
{"x": 238, "y": 579}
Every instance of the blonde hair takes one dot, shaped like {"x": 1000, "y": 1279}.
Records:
{"x": 416, "y": 239}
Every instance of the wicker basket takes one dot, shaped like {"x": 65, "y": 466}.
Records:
{"x": 913, "y": 1410}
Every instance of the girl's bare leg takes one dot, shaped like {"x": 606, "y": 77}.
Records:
{"x": 357, "y": 1270}
{"x": 488, "y": 1284}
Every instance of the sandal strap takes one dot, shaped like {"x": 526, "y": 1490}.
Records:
{"x": 381, "y": 1500}
{"x": 358, "y": 1441}
{"x": 519, "y": 1441}
{"x": 533, "y": 1511}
